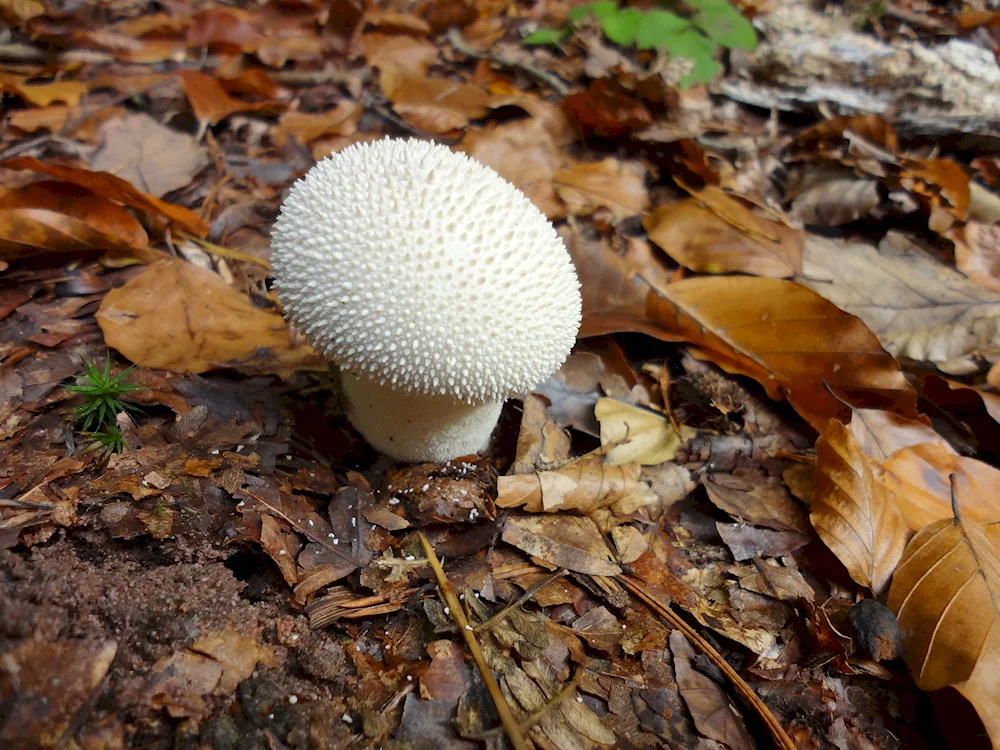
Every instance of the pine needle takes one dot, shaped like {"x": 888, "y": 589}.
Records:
{"x": 510, "y": 725}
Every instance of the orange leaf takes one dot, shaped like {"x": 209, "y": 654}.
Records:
{"x": 43, "y": 94}
{"x": 606, "y": 109}
{"x": 436, "y": 105}
{"x": 212, "y": 104}
{"x": 853, "y": 511}
{"x": 919, "y": 477}
{"x": 115, "y": 188}
{"x": 342, "y": 120}
{"x": 794, "y": 342}
{"x": 700, "y": 238}
{"x": 618, "y": 186}
{"x": 182, "y": 318}
{"x": 385, "y": 51}
{"x": 61, "y": 216}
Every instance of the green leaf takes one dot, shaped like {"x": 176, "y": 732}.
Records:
{"x": 546, "y": 36}
{"x": 700, "y": 50}
{"x": 599, "y": 10}
{"x": 657, "y": 27}
{"x": 622, "y": 27}
{"x": 725, "y": 24}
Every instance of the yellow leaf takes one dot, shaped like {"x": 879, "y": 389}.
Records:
{"x": 636, "y": 435}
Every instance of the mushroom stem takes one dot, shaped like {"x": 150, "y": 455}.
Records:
{"x": 412, "y": 426}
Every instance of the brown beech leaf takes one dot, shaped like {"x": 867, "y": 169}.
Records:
{"x": 571, "y": 542}
{"x": 307, "y": 127}
{"x": 918, "y": 307}
{"x": 747, "y": 542}
{"x": 61, "y": 216}
{"x": 698, "y": 237}
{"x": 880, "y": 434}
{"x": 862, "y": 140}
{"x": 435, "y": 105}
{"x": 853, "y": 511}
{"x": 919, "y": 476}
{"x": 617, "y": 186}
{"x": 977, "y": 254}
{"x": 115, "y": 189}
{"x": 787, "y": 337}
{"x": 606, "y": 109}
{"x": 946, "y": 597}
{"x": 756, "y": 498}
{"x": 942, "y": 180}
{"x": 831, "y": 197}
{"x": 706, "y": 700}
{"x": 400, "y": 51}
{"x": 16, "y": 12}
{"x": 212, "y": 104}
{"x": 179, "y": 317}
{"x": 584, "y": 486}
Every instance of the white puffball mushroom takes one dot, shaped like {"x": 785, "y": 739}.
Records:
{"x": 435, "y": 286}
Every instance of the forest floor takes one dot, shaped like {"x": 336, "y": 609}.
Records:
{"x": 754, "y": 507}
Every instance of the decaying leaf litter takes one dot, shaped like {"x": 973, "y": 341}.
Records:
{"x": 755, "y": 507}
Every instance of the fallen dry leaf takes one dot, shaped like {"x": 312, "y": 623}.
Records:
{"x": 854, "y": 512}
{"x": 706, "y": 700}
{"x": 400, "y": 51}
{"x": 791, "y": 340}
{"x": 63, "y": 217}
{"x": 612, "y": 184}
{"x": 179, "y": 317}
{"x": 212, "y": 104}
{"x": 977, "y": 254}
{"x": 342, "y": 120}
{"x": 831, "y": 197}
{"x": 946, "y": 597}
{"x": 43, "y": 94}
{"x": 114, "y": 188}
{"x": 43, "y": 684}
{"x": 747, "y": 542}
{"x": 919, "y": 477}
{"x": 757, "y": 499}
{"x": 435, "y": 105}
{"x": 918, "y": 308}
{"x": 16, "y": 12}
{"x": 571, "y": 542}
{"x": 154, "y": 158}
{"x": 631, "y": 434}
{"x": 714, "y": 232}
{"x": 584, "y": 486}
{"x": 606, "y": 109}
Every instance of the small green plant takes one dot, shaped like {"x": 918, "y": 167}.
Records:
{"x": 102, "y": 403}
{"x": 697, "y": 38}
{"x": 108, "y": 440}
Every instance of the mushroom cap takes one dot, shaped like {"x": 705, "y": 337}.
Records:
{"x": 419, "y": 268}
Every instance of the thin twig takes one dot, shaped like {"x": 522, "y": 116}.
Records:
{"x": 224, "y": 252}
{"x": 510, "y": 725}
{"x": 522, "y": 599}
{"x": 639, "y": 589}
{"x": 550, "y": 79}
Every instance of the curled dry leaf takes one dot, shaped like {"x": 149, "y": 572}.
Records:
{"x": 631, "y": 434}
{"x": 571, "y": 542}
{"x": 715, "y": 232}
{"x": 977, "y": 254}
{"x": 116, "y": 189}
{"x": 853, "y": 511}
{"x": 787, "y": 337}
{"x": 63, "y": 217}
{"x": 179, "y": 317}
{"x": 584, "y": 486}
{"x": 43, "y": 94}
{"x": 617, "y": 186}
{"x": 918, "y": 307}
{"x": 946, "y": 597}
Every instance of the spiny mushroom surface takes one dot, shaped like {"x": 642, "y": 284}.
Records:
{"x": 435, "y": 286}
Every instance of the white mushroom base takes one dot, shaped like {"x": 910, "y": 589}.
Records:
{"x": 413, "y": 427}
